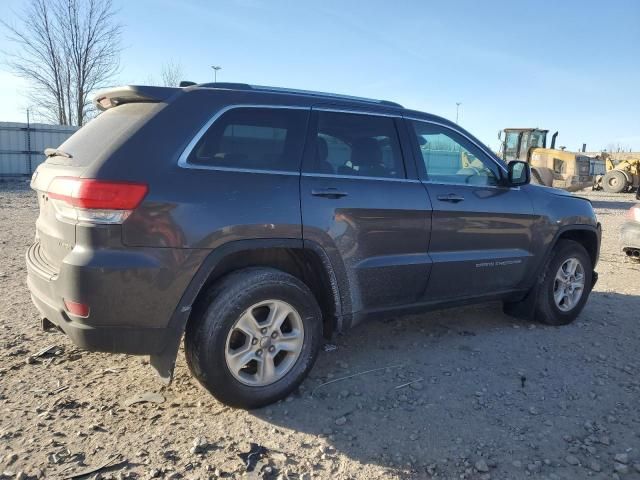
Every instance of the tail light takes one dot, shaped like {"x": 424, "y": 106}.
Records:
{"x": 95, "y": 201}
{"x": 634, "y": 213}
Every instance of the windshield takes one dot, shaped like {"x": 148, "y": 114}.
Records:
{"x": 538, "y": 139}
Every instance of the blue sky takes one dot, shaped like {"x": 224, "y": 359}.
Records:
{"x": 572, "y": 66}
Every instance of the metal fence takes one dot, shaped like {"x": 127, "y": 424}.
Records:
{"x": 22, "y": 145}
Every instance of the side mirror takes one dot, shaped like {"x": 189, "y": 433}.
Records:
{"x": 499, "y": 134}
{"x": 519, "y": 173}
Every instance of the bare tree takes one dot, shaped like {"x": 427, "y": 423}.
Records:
{"x": 66, "y": 49}
{"x": 171, "y": 74}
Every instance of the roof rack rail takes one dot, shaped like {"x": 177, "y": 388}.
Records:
{"x": 324, "y": 94}
{"x": 262, "y": 88}
{"x": 390, "y": 103}
{"x": 229, "y": 85}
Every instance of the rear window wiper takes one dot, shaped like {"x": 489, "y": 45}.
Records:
{"x": 55, "y": 152}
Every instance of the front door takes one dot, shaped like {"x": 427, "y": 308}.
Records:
{"x": 361, "y": 207}
{"x": 481, "y": 230}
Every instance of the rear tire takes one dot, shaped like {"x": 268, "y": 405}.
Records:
{"x": 560, "y": 297}
{"x": 614, "y": 181}
{"x": 254, "y": 337}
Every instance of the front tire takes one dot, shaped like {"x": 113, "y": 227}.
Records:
{"x": 614, "y": 182}
{"x": 565, "y": 285}
{"x": 254, "y": 337}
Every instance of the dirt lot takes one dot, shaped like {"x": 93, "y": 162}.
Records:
{"x": 491, "y": 397}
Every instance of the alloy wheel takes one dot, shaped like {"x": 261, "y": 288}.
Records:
{"x": 568, "y": 285}
{"x": 264, "y": 343}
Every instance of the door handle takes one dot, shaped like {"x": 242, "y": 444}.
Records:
{"x": 452, "y": 197}
{"x": 328, "y": 193}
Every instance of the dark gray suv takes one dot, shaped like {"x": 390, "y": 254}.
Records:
{"x": 257, "y": 220}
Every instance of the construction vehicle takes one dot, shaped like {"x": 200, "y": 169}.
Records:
{"x": 552, "y": 167}
{"x": 622, "y": 174}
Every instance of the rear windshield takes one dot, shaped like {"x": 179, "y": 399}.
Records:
{"x": 105, "y": 133}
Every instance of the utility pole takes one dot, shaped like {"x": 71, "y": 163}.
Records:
{"x": 29, "y": 141}
{"x": 215, "y": 72}
{"x": 457, "y": 110}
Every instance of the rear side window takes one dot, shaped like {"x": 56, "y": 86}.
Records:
{"x": 356, "y": 144}
{"x": 253, "y": 138}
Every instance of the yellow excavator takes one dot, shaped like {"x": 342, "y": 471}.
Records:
{"x": 622, "y": 174}
{"x": 553, "y": 167}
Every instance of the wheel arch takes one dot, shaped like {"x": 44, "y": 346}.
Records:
{"x": 535, "y": 175}
{"x": 306, "y": 261}
{"x": 587, "y": 237}
{"x": 542, "y": 174}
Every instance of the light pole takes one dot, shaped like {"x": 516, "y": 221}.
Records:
{"x": 215, "y": 72}
{"x": 29, "y": 140}
{"x": 457, "y": 110}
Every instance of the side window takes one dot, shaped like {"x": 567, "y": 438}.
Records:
{"x": 450, "y": 158}
{"x": 357, "y": 144}
{"x": 511, "y": 145}
{"x": 255, "y": 138}
{"x": 538, "y": 139}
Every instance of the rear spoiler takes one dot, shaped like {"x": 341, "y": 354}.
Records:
{"x": 132, "y": 94}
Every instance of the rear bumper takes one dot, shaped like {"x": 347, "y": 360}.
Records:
{"x": 630, "y": 236}
{"x": 130, "y": 340}
{"x": 131, "y": 296}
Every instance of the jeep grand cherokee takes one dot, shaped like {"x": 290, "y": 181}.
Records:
{"x": 253, "y": 221}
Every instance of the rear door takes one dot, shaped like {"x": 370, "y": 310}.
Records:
{"x": 481, "y": 230}
{"x": 360, "y": 204}
{"x": 241, "y": 174}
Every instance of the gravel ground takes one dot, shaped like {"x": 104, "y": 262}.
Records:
{"x": 467, "y": 393}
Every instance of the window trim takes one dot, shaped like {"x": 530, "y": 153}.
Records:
{"x": 326, "y": 108}
{"x": 359, "y": 177}
{"x": 313, "y": 131}
{"x": 183, "y": 159}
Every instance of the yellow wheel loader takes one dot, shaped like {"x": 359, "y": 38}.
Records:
{"x": 553, "y": 167}
{"x": 622, "y": 174}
